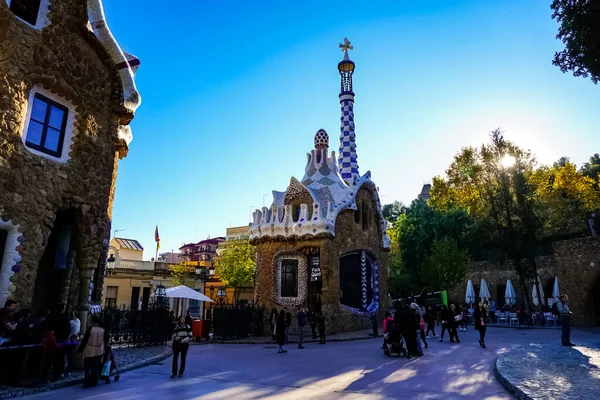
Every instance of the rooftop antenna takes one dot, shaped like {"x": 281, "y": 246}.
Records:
{"x": 118, "y": 230}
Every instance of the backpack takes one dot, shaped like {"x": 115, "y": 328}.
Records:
{"x": 555, "y": 309}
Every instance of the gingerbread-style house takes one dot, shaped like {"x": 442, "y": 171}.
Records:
{"x": 323, "y": 244}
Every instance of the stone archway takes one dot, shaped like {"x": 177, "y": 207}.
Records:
{"x": 56, "y": 267}
{"x": 593, "y": 301}
{"x": 359, "y": 281}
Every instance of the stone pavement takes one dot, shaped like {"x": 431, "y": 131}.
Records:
{"x": 126, "y": 359}
{"x": 341, "y": 370}
{"x": 549, "y": 370}
{"x": 293, "y": 338}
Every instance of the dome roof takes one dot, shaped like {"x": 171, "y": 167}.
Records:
{"x": 321, "y": 139}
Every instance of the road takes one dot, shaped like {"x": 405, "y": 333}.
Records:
{"x": 344, "y": 370}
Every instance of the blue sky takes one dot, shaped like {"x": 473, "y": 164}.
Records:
{"x": 234, "y": 91}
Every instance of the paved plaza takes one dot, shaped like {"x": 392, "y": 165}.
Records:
{"x": 343, "y": 370}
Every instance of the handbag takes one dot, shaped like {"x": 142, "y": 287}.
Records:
{"x": 106, "y": 369}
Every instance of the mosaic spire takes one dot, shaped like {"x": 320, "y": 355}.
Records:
{"x": 348, "y": 159}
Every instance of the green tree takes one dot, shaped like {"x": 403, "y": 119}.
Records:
{"x": 421, "y": 228}
{"x": 392, "y": 211}
{"x": 504, "y": 199}
{"x": 591, "y": 169}
{"x": 447, "y": 264}
{"x": 567, "y": 198}
{"x": 580, "y": 32}
{"x": 182, "y": 274}
{"x": 236, "y": 265}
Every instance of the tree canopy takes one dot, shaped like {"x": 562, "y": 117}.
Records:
{"x": 181, "y": 274}
{"x": 579, "y": 30}
{"x": 235, "y": 265}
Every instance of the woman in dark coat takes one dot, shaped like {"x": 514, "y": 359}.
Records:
{"x": 444, "y": 315}
{"x": 453, "y": 323}
{"x": 480, "y": 316}
{"x": 280, "y": 332}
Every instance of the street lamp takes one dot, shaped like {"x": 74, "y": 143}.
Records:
{"x": 110, "y": 262}
{"x": 161, "y": 295}
{"x": 200, "y": 271}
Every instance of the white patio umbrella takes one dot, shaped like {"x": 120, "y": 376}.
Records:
{"x": 470, "y": 293}
{"x": 555, "y": 290}
{"x": 536, "y": 301}
{"x": 184, "y": 292}
{"x": 484, "y": 293}
{"x": 509, "y": 295}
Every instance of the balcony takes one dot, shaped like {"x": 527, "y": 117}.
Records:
{"x": 135, "y": 265}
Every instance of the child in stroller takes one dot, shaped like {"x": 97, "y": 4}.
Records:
{"x": 393, "y": 343}
{"x": 108, "y": 364}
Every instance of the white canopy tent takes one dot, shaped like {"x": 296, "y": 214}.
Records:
{"x": 484, "y": 292}
{"x": 470, "y": 293}
{"x": 509, "y": 295}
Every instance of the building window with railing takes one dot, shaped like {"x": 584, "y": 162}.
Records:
{"x": 111, "y": 296}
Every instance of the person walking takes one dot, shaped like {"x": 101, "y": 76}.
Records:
{"x": 301, "y": 318}
{"x": 313, "y": 324}
{"x": 430, "y": 321}
{"x": 273, "y": 321}
{"x": 92, "y": 348}
{"x": 420, "y": 324}
{"x": 321, "y": 325}
{"x": 453, "y": 323}
{"x": 280, "y": 332}
{"x": 444, "y": 315}
{"x": 565, "y": 320}
{"x": 480, "y": 316}
{"x": 182, "y": 334}
{"x": 288, "y": 324}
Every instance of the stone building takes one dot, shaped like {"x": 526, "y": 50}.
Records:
{"x": 323, "y": 244}
{"x": 67, "y": 96}
{"x": 575, "y": 262}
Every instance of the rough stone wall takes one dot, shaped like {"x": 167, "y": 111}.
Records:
{"x": 576, "y": 263}
{"x": 66, "y": 59}
{"x": 349, "y": 236}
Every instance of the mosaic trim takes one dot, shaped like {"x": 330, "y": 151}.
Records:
{"x": 302, "y": 278}
{"x": 97, "y": 20}
{"x": 363, "y": 277}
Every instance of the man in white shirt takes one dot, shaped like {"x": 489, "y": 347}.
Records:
{"x": 565, "y": 320}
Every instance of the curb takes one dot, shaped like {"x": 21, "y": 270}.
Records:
{"x": 20, "y": 392}
{"x": 512, "y": 389}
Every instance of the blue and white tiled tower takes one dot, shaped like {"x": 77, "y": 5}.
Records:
{"x": 348, "y": 159}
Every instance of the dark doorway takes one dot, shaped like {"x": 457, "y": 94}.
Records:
{"x": 145, "y": 298}
{"x": 54, "y": 269}
{"x": 135, "y": 298}
{"x": 315, "y": 283}
{"x": 351, "y": 280}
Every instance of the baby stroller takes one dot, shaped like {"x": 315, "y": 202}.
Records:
{"x": 108, "y": 364}
{"x": 393, "y": 342}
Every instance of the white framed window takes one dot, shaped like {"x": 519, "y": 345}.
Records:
{"x": 33, "y": 12}
{"x": 48, "y": 128}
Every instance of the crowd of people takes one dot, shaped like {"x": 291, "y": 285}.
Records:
{"x": 281, "y": 322}
{"x": 412, "y": 326}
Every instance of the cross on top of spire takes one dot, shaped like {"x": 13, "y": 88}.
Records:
{"x": 346, "y": 46}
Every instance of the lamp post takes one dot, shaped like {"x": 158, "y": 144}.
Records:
{"x": 110, "y": 264}
{"x": 222, "y": 295}
{"x": 161, "y": 295}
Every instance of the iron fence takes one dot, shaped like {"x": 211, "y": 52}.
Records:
{"x": 137, "y": 328}
{"x": 237, "y": 321}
